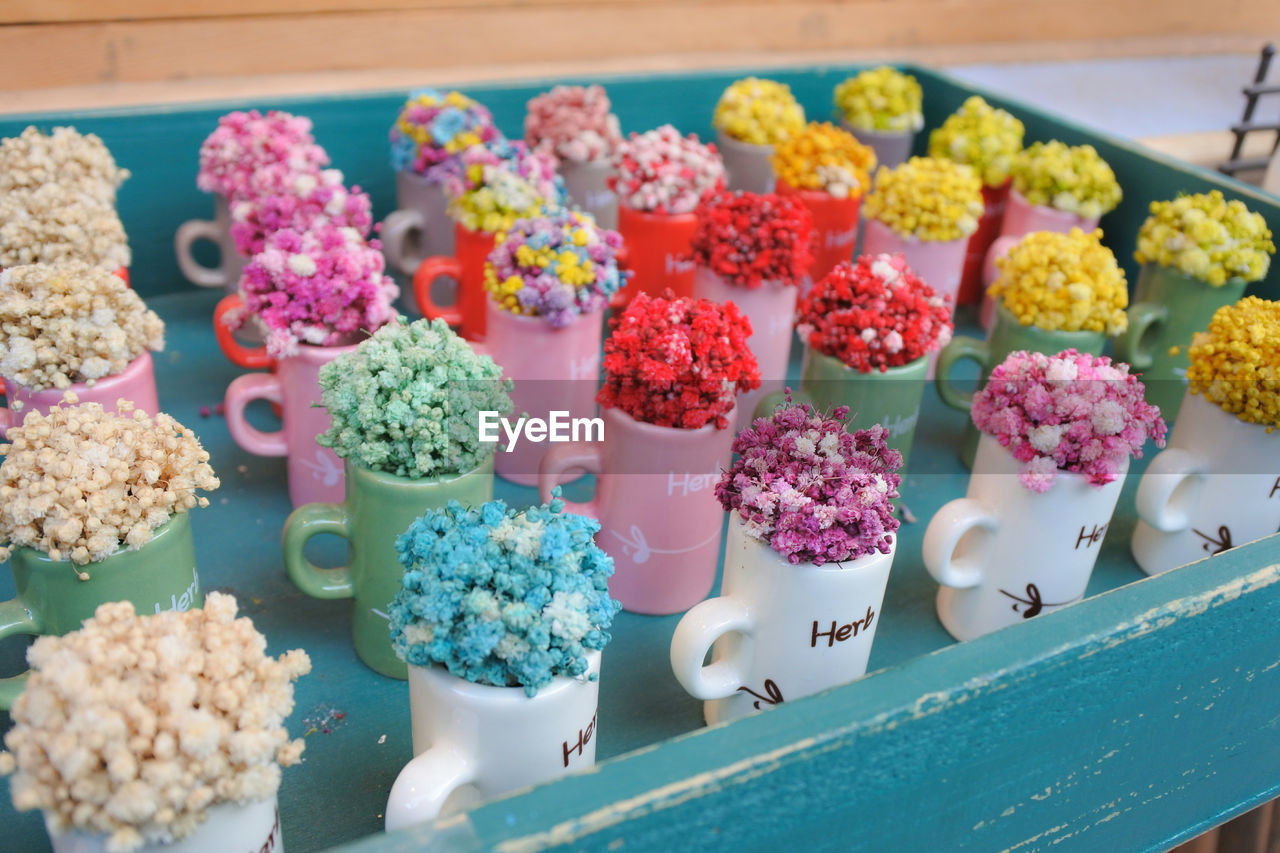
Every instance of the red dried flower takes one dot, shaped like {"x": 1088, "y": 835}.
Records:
{"x": 875, "y": 315}
{"x": 748, "y": 239}
{"x": 677, "y": 362}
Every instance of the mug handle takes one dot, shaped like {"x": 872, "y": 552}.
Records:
{"x": 1143, "y": 317}
{"x": 566, "y": 457}
{"x": 425, "y": 783}
{"x": 955, "y": 350}
{"x": 243, "y": 390}
{"x": 1167, "y": 472}
{"x": 188, "y": 233}
{"x": 698, "y": 630}
{"x": 622, "y": 257}
{"x": 7, "y": 422}
{"x": 311, "y": 520}
{"x": 397, "y": 230}
{"x": 946, "y": 529}
{"x": 428, "y": 271}
{"x": 254, "y": 358}
{"x": 15, "y": 619}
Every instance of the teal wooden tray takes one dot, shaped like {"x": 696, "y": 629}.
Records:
{"x": 1128, "y": 721}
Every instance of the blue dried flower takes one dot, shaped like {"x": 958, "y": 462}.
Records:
{"x": 502, "y": 597}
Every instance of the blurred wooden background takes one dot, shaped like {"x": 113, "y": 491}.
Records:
{"x": 159, "y": 46}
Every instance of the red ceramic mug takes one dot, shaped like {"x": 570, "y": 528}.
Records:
{"x": 466, "y": 266}
{"x": 659, "y": 250}
{"x": 994, "y": 200}
{"x": 835, "y": 226}
{"x": 254, "y": 358}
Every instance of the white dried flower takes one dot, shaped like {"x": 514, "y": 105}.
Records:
{"x": 77, "y": 161}
{"x": 56, "y": 223}
{"x": 111, "y": 737}
{"x": 69, "y": 322}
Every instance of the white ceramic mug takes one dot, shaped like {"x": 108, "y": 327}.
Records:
{"x": 1004, "y": 553}
{"x": 778, "y": 631}
{"x": 1216, "y": 486}
{"x": 473, "y": 742}
{"x": 228, "y": 828}
{"x": 217, "y": 231}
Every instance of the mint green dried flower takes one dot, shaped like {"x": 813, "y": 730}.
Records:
{"x": 407, "y": 401}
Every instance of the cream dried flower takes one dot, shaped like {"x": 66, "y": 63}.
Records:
{"x": 77, "y": 161}
{"x": 59, "y": 223}
{"x": 67, "y": 323}
{"x": 81, "y": 482}
{"x": 133, "y": 726}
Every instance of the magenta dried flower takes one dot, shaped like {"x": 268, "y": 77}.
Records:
{"x": 810, "y": 489}
{"x": 279, "y": 198}
{"x": 321, "y": 287}
{"x": 244, "y": 142}
{"x": 1067, "y": 412}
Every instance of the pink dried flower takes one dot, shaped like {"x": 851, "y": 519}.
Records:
{"x": 1067, "y": 412}
{"x": 280, "y": 198}
{"x": 572, "y": 123}
{"x": 318, "y": 287}
{"x": 663, "y": 172}
{"x": 810, "y": 489}
{"x": 246, "y": 141}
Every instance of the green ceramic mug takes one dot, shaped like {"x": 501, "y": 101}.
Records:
{"x": 890, "y": 398}
{"x": 160, "y": 575}
{"x": 1168, "y": 308}
{"x": 378, "y": 508}
{"x": 1007, "y": 335}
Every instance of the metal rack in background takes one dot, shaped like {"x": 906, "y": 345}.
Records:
{"x": 1247, "y": 125}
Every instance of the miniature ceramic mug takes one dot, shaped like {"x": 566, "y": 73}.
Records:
{"x": 1169, "y": 307}
{"x": 253, "y": 331}
{"x": 473, "y": 742}
{"x": 771, "y": 309}
{"x": 587, "y": 183}
{"x": 218, "y": 232}
{"x": 835, "y": 226}
{"x": 420, "y": 226}
{"x": 746, "y": 165}
{"x": 994, "y": 201}
{"x": 890, "y": 398}
{"x": 659, "y": 249}
{"x": 378, "y": 508}
{"x": 228, "y": 828}
{"x": 892, "y": 147}
{"x": 554, "y": 369}
{"x": 315, "y": 473}
{"x": 1021, "y": 217}
{"x": 778, "y": 631}
{"x": 160, "y": 575}
{"x": 466, "y": 266}
{"x": 1007, "y": 336}
{"x": 655, "y": 500}
{"x": 1215, "y": 486}
{"x": 1004, "y": 553}
{"x": 136, "y": 383}
{"x": 939, "y": 264}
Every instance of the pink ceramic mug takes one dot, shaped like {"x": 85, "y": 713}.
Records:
{"x": 554, "y": 370}
{"x": 655, "y": 500}
{"x": 1021, "y": 217}
{"x": 137, "y": 383}
{"x": 771, "y": 309}
{"x": 315, "y": 473}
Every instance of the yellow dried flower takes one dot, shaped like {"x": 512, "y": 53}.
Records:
{"x": 81, "y": 482}
{"x": 133, "y": 726}
{"x": 55, "y": 223}
{"x": 981, "y": 136}
{"x": 1071, "y": 178}
{"x": 69, "y": 322}
{"x": 758, "y": 112}
{"x": 1064, "y": 283}
{"x": 79, "y": 162}
{"x": 881, "y": 99}
{"x": 824, "y": 157}
{"x": 1236, "y": 363}
{"x": 927, "y": 198}
{"x": 1206, "y": 237}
